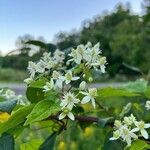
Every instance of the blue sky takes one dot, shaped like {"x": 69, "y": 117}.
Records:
{"x": 48, "y": 17}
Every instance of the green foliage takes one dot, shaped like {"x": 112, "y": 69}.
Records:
{"x": 32, "y": 145}
{"x": 6, "y": 142}
{"x": 42, "y": 110}
{"x": 35, "y": 92}
{"x": 147, "y": 92}
{"x": 139, "y": 145}
{"x": 115, "y": 92}
{"x": 49, "y": 142}
{"x": 16, "y": 118}
{"x": 12, "y": 75}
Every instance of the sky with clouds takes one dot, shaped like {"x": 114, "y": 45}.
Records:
{"x": 48, "y": 17}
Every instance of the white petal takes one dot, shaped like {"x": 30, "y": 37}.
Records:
{"x": 84, "y": 93}
{"x": 135, "y": 130}
{"x": 93, "y": 102}
{"x": 128, "y": 140}
{"x": 71, "y": 116}
{"x": 67, "y": 81}
{"x": 147, "y": 125}
{"x": 112, "y": 138}
{"x": 75, "y": 78}
{"x": 86, "y": 99}
{"x": 144, "y": 133}
{"x": 70, "y": 106}
{"x": 62, "y": 115}
{"x": 133, "y": 135}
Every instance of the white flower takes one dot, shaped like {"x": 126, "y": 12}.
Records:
{"x": 116, "y": 135}
{"x": 127, "y": 134}
{"x": 40, "y": 66}
{"x": 69, "y": 100}
{"x": 49, "y": 86}
{"x": 66, "y": 112}
{"x": 82, "y": 85}
{"x": 56, "y": 75}
{"x": 59, "y": 56}
{"x": 141, "y": 126}
{"x": 28, "y": 80}
{"x": 32, "y": 67}
{"x": 100, "y": 63}
{"x": 147, "y": 105}
{"x": 117, "y": 124}
{"x": 9, "y": 94}
{"x": 68, "y": 77}
{"x": 90, "y": 95}
{"x": 129, "y": 120}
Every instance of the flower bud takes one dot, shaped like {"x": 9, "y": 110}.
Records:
{"x": 84, "y": 75}
{"x": 90, "y": 79}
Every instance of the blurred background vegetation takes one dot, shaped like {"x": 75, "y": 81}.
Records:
{"x": 124, "y": 39}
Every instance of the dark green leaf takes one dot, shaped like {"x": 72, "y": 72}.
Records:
{"x": 6, "y": 142}
{"x": 49, "y": 142}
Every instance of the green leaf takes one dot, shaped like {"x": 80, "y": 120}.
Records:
{"x": 139, "y": 86}
{"x": 147, "y": 92}
{"x": 42, "y": 110}
{"x": 49, "y": 142}
{"x": 32, "y": 145}
{"x": 35, "y": 92}
{"x": 103, "y": 122}
{"x": 6, "y": 142}
{"x": 115, "y": 92}
{"x": 39, "y": 83}
{"x": 17, "y": 118}
{"x": 7, "y": 106}
{"x": 139, "y": 145}
{"x": 34, "y": 95}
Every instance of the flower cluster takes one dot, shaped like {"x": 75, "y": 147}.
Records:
{"x": 129, "y": 129}
{"x": 89, "y": 55}
{"x": 8, "y": 94}
{"x": 46, "y": 62}
{"x": 62, "y": 80}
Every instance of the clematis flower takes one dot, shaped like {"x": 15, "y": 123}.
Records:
{"x": 127, "y": 135}
{"x": 66, "y": 112}
{"x": 69, "y": 100}
{"x": 129, "y": 120}
{"x": 28, "y": 80}
{"x": 90, "y": 96}
{"x": 68, "y": 77}
{"x": 141, "y": 126}
{"x": 116, "y": 135}
{"x": 49, "y": 86}
{"x": 32, "y": 67}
